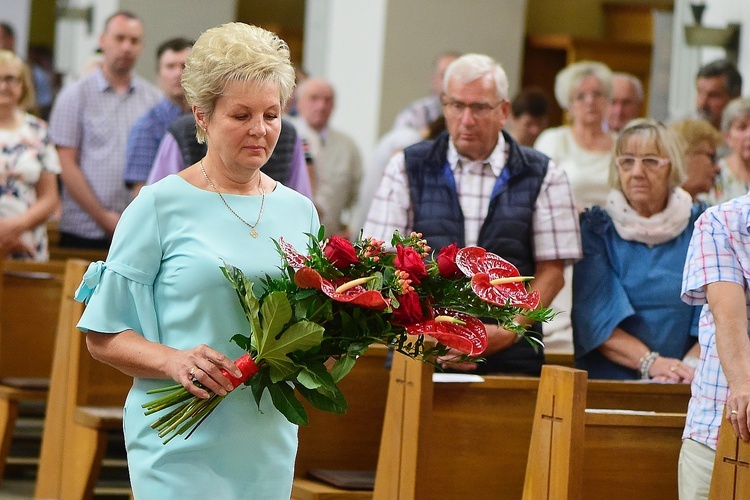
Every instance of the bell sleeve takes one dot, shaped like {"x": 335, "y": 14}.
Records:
{"x": 599, "y": 300}
{"x": 119, "y": 293}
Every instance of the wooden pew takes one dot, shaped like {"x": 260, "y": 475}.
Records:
{"x": 471, "y": 439}
{"x": 731, "y": 476}
{"x": 345, "y": 442}
{"x": 85, "y": 400}
{"x": 585, "y": 453}
{"x": 29, "y": 307}
{"x": 56, "y": 252}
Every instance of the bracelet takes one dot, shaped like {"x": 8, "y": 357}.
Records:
{"x": 691, "y": 361}
{"x": 647, "y": 361}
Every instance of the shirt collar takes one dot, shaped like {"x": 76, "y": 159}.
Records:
{"x": 496, "y": 159}
{"x": 103, "y": 84}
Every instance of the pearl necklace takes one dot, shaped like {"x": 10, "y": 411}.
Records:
{"x": 253, "y": 232}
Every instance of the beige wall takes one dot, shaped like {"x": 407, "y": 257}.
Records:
{"x": 166, "y": 19}
{"x": 584, "y": 18}
{"x": 417, "y": 31}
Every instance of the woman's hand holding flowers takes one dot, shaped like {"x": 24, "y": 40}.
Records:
{"x": 199, "y": 371}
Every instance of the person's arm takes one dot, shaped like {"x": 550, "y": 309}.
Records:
{"x": 81, "y": 191}
{"x": 391, "y": 207}
{"x": 136, "y": 356}
{"x": 727, "y": 302}
{"x": 168, "y": 159}
{"x": 626, "y": 350}
{"x": 299, "y": 177}
{"x": 47, "y": 201}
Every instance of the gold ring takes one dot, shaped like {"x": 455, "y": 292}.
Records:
{"x": 733, "y": 412}
{"x": 192, "y": 372}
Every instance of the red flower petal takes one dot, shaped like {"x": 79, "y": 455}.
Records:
{"x": 295, "y": 259}
{"x": 513, "y": 294}
{"x": 307, "y": 277}
{"x": 473, "y": 260}
{"x": 470, "y": 338}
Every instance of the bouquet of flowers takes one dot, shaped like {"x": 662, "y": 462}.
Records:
{"x": 341, "y": 297}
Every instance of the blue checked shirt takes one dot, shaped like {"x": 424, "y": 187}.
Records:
{"x": 144, "y": 140}
{"x": 91, "y": 117}
{"x": 719, "y": 251}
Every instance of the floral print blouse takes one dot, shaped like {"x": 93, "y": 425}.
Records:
{"x": 25, "y": 153}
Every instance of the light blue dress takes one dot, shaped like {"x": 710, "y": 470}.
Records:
{"x": 162, "y": 279}
{"x": 631, "y": 285}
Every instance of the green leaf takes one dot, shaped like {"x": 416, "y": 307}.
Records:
{"x": 342, "y": 367}
{"x": 249, "y": 302}
{"x": 286, "y": 402}
{"x": 316, "y": 377}
{"x": 258, "y": 384}
{"x": 275, "y": 313}
{"x": 298, "y": 337}
{"x": 335, "y": 404}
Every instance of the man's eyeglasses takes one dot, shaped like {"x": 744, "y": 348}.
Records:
{"x": 477, "y": 109}
{"x": 10, "y": 80}
{"x": 653, "y": 163}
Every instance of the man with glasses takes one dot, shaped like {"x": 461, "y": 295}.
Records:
{"x": 474, "y": 185}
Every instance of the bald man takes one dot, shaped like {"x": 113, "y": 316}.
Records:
{"x": 336, "y": 165}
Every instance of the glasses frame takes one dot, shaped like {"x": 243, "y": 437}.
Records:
{"x": 477, "y": 109}
{"x": 10, "y": 80}
{"x": 659, "y": 162}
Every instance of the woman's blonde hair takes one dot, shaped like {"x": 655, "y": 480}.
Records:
{"x": 235, "y": 52}
{"x": 570, "y": 77}
{"x": 667, "y": 143}
{"x": 27, "y": 102}
{"x": 695, "y": 132}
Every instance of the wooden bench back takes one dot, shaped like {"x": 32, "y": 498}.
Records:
{"x": 471, "y": 439}
{"x": 77, "y": 380}
{"x": 579, "y": 453}
{"x": 731, "y": 477}
{"x": 29, "y": 308}
{"x": 349, "y": 441}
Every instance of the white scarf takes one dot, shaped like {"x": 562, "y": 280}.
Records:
{"x": 655, "y": 230}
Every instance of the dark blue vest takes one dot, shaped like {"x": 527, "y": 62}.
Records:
{"x": 507, "y": 230}
{"x": 277, "y": 167}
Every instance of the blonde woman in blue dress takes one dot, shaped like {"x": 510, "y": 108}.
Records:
{"x": 175, "y": 312}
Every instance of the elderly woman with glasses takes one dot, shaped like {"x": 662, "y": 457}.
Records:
{"x": 28, "y": 166}
{"x": 734, "y": 170}
{"x": 583, "y": 149}
{"x": 628, "y": 319}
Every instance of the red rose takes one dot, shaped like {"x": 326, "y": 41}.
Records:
{"x": 409, "y": 260}
{"x": 409, "y": 310}
{"x": 340, "y": 252}
{"x": 446, "y": 261}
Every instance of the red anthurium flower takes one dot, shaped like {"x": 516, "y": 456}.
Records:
{"x": 454, "y": 329}
{"x": 295, "y": 259}
{"x": 446, "y": 261}
{"x": 340, "y": 252}
{"x": 307, "y": 277}
{"x": 483, "y": 267}
{"x": 473, "y": 260}
{"x": 409, "y": 260}
{"x": 512, "y": 294}
{"x": 409, "y": 310}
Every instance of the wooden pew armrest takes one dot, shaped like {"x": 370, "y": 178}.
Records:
{"x": 99, "y": 417}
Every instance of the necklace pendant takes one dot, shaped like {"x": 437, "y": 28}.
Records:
{"x": 254, "y": 233}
